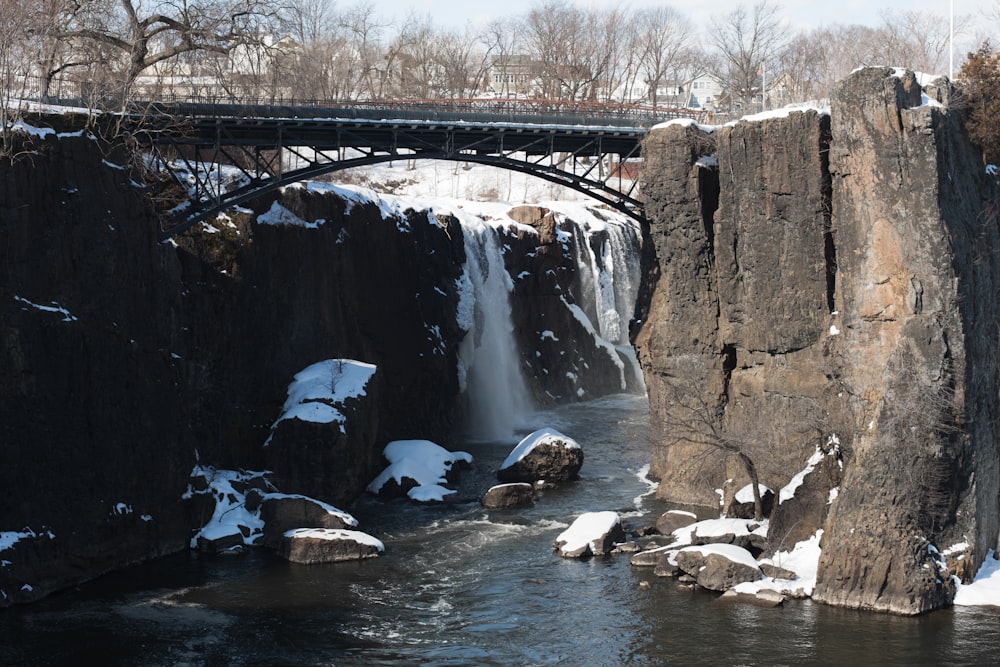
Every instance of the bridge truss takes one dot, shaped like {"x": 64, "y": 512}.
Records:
{"x": 273, "y": 151}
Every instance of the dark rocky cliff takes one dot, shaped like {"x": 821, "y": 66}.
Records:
{"x": 826, "y": 280}
{"x": 125, "y": 362}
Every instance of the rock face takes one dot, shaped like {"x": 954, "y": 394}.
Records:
{"x": 825, "y": 275}
{"x": 131, "y": 360}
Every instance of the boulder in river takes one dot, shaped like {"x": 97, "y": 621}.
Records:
{"x": 283, "y": 512}
{"x": 507, "y": 496}
{"x": 591, "y": 534}
{"x": 545, "y": 454}
{"x": 328, "y": 545}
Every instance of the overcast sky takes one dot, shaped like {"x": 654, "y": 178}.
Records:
{"x": 799, "y": 13}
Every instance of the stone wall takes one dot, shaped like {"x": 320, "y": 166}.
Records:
{"x": 824, "y": 276}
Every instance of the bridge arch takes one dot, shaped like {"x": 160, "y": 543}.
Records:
{"x": 587, "y": 158}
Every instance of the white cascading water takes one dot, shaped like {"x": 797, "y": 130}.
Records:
{"x": 610, "y": 285}
{"x": 489, "y": 363}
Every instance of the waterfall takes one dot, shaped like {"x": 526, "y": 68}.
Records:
{"x": 489, "y": 363}
{"x": 608, "y": 266}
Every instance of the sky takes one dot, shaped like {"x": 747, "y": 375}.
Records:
{"x": 802, "y": 14}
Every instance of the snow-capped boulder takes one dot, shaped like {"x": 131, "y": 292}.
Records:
{"x": 718, "y": 567}
{"x": 505, "y": 496}
{"x": 545, "y": 454}
{"x": 282, "y": 513}
{"x": 671, "y": 520}
{"x": 418, "y": 469}
{"x": 591, "y": 534}
{"x": 328, "y": 545}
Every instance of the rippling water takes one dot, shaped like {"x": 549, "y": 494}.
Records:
{"x": 460, "y": 585}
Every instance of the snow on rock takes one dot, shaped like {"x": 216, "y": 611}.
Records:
{"x": 545, "y": 454}
{"x": 591, "y": 534}
{"x": 247, "y": 510}
{"x": 744, "y": 533}
{"x": 232, "y": 525}
{"x": 282, "y": 512}
{"x": 985, "y": 587}
{"x": 328, "y": 545}
{"x": 802, "y": 559}
{"x": 718, "y": 567}
{"x": 417, "y": 468}
{"x": 317, "y": 392}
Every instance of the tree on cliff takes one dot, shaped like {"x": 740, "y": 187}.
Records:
{"x": 696, "y": 415}
{"x": 980, "y": 80}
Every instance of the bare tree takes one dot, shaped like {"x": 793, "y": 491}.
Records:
{"x": 662, "y": 38}
{"x": 138, "y": 34}
{"x": 748, "y": 43}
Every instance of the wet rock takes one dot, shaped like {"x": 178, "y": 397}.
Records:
{"x": 506, "y": 496}
{"x": 326, "y": 545}
{"x": 647, "y": 558}
{"x": 666, "y": 565}
{"x": 718, "y": 567}
{"x": 764, "y": 597}
{"x": 221, "y": 543}
{"x": 545, "y": 454}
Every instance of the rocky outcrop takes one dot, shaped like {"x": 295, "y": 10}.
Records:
{"x": 824, "y": 276}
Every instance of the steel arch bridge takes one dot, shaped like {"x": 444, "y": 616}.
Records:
{"x": 595, "y": 156}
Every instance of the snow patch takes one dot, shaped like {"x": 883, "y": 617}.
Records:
{"x": 424, "y": 462}
{"x": 317, "y": 392}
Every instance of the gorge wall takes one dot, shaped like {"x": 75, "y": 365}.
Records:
{"x": 125, "y": 362}
{"x": 827, "y": 281}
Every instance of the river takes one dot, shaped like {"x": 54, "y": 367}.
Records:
{"x": 459, "y": 585}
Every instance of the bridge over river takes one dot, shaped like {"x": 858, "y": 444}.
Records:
{"x": 273, "y": 146}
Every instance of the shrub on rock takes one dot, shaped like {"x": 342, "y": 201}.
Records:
{"x": 545, "y": 454}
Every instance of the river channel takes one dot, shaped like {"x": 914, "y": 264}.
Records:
{"x": 460, "y": 585}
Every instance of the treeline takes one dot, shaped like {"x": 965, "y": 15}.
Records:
{"x": 322, "y": 49}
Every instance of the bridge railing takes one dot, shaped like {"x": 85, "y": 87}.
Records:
{"x": 567, "y": 112}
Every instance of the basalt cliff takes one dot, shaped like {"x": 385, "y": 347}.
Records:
{"x": 126, "y": 363}
{"x": 827, "y": 281}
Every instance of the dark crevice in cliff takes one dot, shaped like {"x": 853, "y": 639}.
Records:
{"x": 826, "y": 189}
{"x": 708, "y": 191}
{"x": 728, "y": 366}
